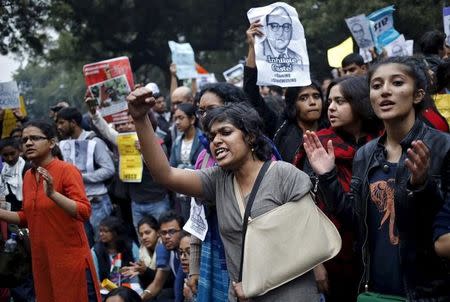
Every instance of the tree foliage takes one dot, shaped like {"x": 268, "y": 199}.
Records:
{"x": 92, "y": 30}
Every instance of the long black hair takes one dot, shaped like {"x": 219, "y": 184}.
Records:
{"x": 355, "y": 90}
{"x": 291, "y": 97}
{"x": 415, "y": 68}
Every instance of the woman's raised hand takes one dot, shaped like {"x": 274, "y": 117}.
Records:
{"x": 418, "y": 163}
{"x": 321, "y": 160}
{"x": 140, "y": 101}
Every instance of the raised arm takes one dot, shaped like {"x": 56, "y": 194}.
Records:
{"x": 179, "y": 180}
{"x": 269, "y": 117}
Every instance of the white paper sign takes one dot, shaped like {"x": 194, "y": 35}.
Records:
{"x": 365, "y": 53}
{"x": 197, "y": 224}
{"x": 397, "y": 48}
{"x": 9, "y": 95}
{"x": 235, "y": 75}
{"x": 359, "y": 27}
{"x": 79, "y": 152}
{"x": 446, "y": 19}
{"x": 281, "y": 54}
{"x": 183, "y": 57}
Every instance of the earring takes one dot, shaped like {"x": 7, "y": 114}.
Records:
{"x": 253, "y": 149}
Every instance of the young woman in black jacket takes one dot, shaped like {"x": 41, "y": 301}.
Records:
{"x": 400, "y": 182}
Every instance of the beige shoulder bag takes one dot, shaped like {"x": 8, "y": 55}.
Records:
{"x": 284, "y": 243}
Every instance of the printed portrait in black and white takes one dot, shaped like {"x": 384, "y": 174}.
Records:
{"x": 279, "y": 35}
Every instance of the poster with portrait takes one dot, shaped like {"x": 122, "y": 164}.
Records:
{"x": 446, "y": 22}
{"x": 79, "y": 152}
{"x": 109, "y": 82}
{"x": 359, "y": 27}
{"x": 9, "y": 95}
{"x": 281, "y": 54}
{"x": 183, "y": 57}
{"x": 235, "y": 75}
{"x": 397, "y": 48}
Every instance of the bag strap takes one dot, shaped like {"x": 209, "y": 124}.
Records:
{"x": 248, "y": 208}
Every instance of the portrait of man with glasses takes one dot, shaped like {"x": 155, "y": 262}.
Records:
{"x": 279, "y": 34}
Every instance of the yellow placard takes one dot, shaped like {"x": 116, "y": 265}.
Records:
{"x": 130, "y": 161}
{"x": 442, "y": 102}
{"x": 337, "y": 53}
{"x": 10, "y": 121}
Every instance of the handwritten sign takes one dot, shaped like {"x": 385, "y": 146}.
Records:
{"x": 9, "y": 95}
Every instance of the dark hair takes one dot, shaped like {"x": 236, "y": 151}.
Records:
{"x": 18, "y": 129}
{"x": 291, "y": 96}
{"x": 277, "y": 89}
{"x": 414, "y": 67}
{"x": 70, "y": 114}
{"x": 117, "y": 227}
{"x": 432, "y": 42}
{"x": 150, "y": 220}
{"x": 355, "y": 90}
{"x": 11, "y": 142}
{"x": 47, "y": 128}
{"x": 246, "y": 119}
{"x": 49, "y": 131}
{"x": 353, "y": 58}
{"x": 189, "y": 110}
{"x": 127, "y": 294}
{"x": 443, "y": 75}
{"x": 183, "y": 234}
{"x": 227, "y": 92}
{"x": 169, "y": 216}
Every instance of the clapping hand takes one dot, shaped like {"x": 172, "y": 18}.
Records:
{"x": 48, "y": 181}
{"x": 321, "y": 160}
{"x": 418, "y": 163}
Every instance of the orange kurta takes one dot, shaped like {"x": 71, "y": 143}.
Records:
{"x": 59, "y": 247}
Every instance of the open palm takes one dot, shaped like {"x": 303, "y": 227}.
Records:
{"x": 321, "y": 160}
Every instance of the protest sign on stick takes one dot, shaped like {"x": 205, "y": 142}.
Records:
{"x": 183, "y": 57}
{"x": 281, "y": 54}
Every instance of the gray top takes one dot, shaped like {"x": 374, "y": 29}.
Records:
{"x": 104, "y": 166}
{"x": 282, "y": 183}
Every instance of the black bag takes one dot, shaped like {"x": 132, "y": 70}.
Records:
{"x": 16, "y": 205}
{"x": 16, "y": 266}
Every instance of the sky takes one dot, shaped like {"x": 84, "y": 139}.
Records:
{"x": 7, "y": 67}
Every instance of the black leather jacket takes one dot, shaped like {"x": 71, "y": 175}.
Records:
{"x": 425, "y": 274}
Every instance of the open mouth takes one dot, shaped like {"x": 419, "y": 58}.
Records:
{"x": 220, "y": 153}
{"x": 386, "y": 104}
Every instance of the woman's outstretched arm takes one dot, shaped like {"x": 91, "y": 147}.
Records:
{"x": 179, "y": 180}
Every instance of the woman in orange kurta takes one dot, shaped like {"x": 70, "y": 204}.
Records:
{"x": 54, "y": 209}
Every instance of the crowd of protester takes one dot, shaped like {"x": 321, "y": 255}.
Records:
{"x": 371, "y": 143}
